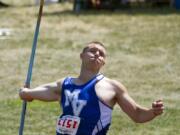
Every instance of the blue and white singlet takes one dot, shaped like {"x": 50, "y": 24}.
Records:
{"x": 83, "y": 112}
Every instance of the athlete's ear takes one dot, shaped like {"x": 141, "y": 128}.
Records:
{"x": 81, "y": 55}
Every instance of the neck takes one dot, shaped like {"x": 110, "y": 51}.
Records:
{"x": 86, "y": 75}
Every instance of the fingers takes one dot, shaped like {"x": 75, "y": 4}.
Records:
{"x": 26, "y": 86}
{"x": 157, "y": 103}
{"x": 158, "y": 107}
{"x": 23, "y": 94}
{"x": 158, "y": 111}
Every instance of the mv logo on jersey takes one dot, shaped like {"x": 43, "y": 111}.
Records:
{"x": 72, "y": 99}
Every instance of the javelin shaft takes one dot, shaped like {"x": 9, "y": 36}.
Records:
{"x": 29, "y": 74}
{"x": 31, "y": 63}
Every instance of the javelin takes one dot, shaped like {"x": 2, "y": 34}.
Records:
{"x": 31, "y": 62}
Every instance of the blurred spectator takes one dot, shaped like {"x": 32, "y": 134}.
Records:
{"x": 124, "y": 1}
{"x": 3, "y": 4}
{"x": 176, "y": 4}
{"x": 159, "y": 3}
{"x": 46, "y": 1}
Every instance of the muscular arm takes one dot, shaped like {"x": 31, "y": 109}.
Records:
{"x": 45, "y": 92}
{"x": 136, "y": 112}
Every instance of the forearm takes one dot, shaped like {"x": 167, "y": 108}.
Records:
{"x": 43, "y": 93}
{"x": 38, "y": 94}
{"x": 136, "y": 112}
{"x": 144, "y": 115}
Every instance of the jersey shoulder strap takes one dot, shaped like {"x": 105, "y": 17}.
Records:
{"x": 67, "y": 81}
{"x": 94, "y": 81}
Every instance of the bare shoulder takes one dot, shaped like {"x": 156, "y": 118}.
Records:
{"x": 108, "y": 90}
{"x": 116, "y": 85}
{"x": 59, "y": 83}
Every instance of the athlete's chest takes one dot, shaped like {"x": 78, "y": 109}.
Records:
{"x": 78, "y": 101}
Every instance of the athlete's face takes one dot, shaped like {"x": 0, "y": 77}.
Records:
{"x": 94, "y": 56}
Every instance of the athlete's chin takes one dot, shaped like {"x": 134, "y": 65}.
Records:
{"x": 96, "y": 66}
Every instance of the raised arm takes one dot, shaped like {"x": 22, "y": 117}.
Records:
{"x": 136, "y": 112}
{"x": 45, "y": 92}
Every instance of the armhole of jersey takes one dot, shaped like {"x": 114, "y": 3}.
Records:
{"x": 64, "y": 81}
{"x": 104, "y": 103}
{"x": 99, "y": 78}
{"x": 62, "y": 88}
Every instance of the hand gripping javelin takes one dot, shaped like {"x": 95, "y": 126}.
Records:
{"x": 31, "y": 62}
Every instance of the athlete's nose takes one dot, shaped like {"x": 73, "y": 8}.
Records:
{"x": 96, "y": 54}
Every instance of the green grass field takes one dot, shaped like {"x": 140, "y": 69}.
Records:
{"x": 143, "y": 53}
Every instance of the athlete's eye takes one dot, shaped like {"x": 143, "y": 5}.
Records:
{"x": 92, "y": 50}
{"x": 101, "y": 53}
{"x": 96, "y": 50}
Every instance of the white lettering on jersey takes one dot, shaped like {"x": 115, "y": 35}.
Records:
{"x": 77, "y": 104}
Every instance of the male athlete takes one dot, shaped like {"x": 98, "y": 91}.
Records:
{"x": 88, "y": 100}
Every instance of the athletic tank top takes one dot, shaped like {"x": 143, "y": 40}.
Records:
{"x": 83, "y": 112}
